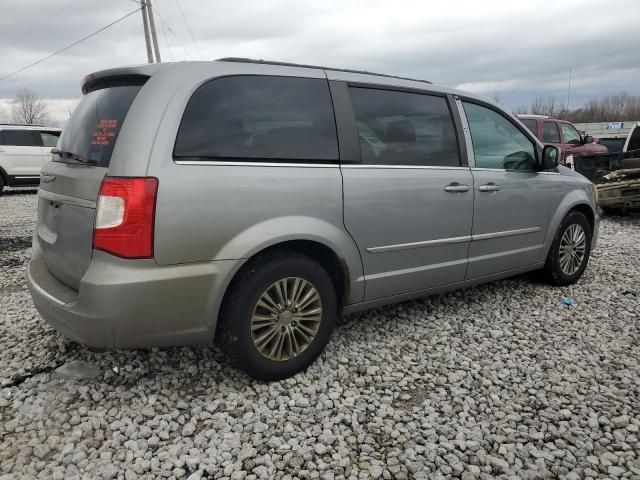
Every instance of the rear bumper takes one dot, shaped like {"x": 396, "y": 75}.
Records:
{"x": 132, "y": 303}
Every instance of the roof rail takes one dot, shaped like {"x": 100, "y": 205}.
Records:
{"x": 288, "y": 64}
{"x": 22, "y": 125}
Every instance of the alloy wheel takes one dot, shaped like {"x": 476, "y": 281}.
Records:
{"x": 572, "y": 249}
{"x": 286, "y": 319}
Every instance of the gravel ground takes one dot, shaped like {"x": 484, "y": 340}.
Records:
{"x": 499, "y": 380}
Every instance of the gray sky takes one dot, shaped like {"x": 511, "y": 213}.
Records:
{"x": 516, "y": 49}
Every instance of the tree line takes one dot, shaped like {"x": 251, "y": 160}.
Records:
{"x": 618, "y": 107}
{"x": 27, "y": 108}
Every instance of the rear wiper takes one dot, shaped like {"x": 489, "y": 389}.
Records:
{"x": 73, "y": 156}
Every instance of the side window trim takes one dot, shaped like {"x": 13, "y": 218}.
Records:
{"x": 525, "y": 131}
{"x": 449, "y": 99}
{"x": 348, "y": 144}
{"x": 471, "y": 157}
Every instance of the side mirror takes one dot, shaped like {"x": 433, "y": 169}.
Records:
{"x": 550, "y": 157}
{"x": 587, "y": 139}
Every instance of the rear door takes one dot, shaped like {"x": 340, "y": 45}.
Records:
{"x": 408, "y": 202}
{"x": 21, "y": 152}
{"x": 512, "y": 199}
{"x": 71, "y": 182}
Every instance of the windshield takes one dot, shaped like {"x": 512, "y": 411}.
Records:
{"x": 93, "y": 129}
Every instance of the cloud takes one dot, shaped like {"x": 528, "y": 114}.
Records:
{"x": 517, "y": 49}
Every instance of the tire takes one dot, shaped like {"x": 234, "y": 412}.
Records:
{"x": 554, "y": 271}
{"x": 1, "y": 184}
{"x": 242, "y": 345}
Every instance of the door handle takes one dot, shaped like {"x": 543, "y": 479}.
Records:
{"x": 489, "y": 187}
{"x": 456, "y": 187}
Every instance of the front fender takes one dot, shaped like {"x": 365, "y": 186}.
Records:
{"x": 570, "y": 201}
{"x": 274, "y": 231}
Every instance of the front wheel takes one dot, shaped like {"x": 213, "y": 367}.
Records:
{"x": 278, "y": 315}
{"x": 570, "y": 250}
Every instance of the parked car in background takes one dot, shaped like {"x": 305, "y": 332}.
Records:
{"x": 24, "y": 149}
{"x": 564, "y": 135}
{"x": 632, "y": 142}
{"x": 255, "y": 202}
{"x": 623, "y": 143}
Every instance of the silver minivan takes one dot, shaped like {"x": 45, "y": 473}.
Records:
{"x": 254, "y": 202}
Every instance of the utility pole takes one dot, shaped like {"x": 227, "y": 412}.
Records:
{"x": 569, "y": 91}
{"x": 145, "y": 23}
{"x": 152, "y": 24}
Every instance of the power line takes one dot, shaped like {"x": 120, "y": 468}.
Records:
{"x": 189, "y": 28}
{"x": 186, "y": 53}
{"x": 164, "y": 31}
{"x": 39, "y": 25}
{"x": 69, "y": 46}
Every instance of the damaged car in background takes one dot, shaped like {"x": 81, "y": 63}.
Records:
{"x": 621, "y": 189}
{"x": 616, "y": 175}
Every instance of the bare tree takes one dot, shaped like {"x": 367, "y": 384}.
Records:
{"x": 30, "y": 108}
{"x": 496, "y": 97}
{"x": 610, "y": 108}
{"x": 5, "y": 117}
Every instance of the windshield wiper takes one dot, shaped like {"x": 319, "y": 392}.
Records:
{"x": 73, "y": 156}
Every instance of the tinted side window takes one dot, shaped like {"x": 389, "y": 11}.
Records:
{"x": 570, "y": 133}
{"x": 531, "y": 124}
{"x": 50, "y": 139}
{"x": 550, "y": 132}
{"x": 21, "y": 138}
{"x": 256, "y": 117}
{"x": 401, "y": 128}
{"x": 497, "y": 143}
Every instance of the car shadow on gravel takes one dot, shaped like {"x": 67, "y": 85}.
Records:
{"x": 17, "y": 192}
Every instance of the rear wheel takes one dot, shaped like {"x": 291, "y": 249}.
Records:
{"x": 278, "y": 315}
{"x": 1, "y": 185}
{"x": 570, "y": 250}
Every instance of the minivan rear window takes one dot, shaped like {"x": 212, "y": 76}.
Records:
{"x": 257, "y": 118}
{"x": 93, "y": 129}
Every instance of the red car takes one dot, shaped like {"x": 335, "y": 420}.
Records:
{"x": 562, "y": 134}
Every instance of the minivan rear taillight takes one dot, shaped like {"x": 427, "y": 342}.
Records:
{"x": 125, "y": 216}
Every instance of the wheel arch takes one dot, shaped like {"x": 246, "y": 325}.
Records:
{"x": 323, "y": 241}
{"x": 329, "y": 260}
{"x": 577, "y": 200}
